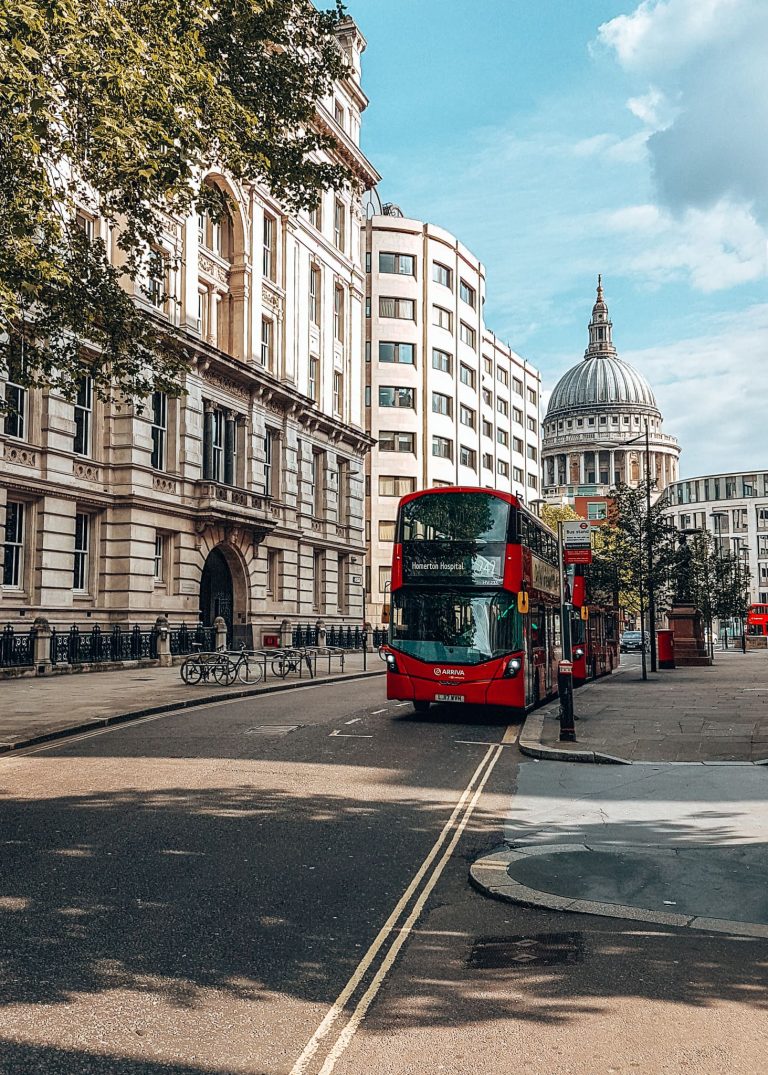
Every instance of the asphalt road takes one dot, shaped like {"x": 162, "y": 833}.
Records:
{"x": 193, "y": 893}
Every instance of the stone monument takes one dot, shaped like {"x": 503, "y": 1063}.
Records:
{"x": 685, "y": 620}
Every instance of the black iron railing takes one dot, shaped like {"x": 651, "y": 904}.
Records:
{"x": 186, "y": 639}
{"x": 339, "y": 636}
{"x": 96, "y": 646}
{"x": 17, "y": 650}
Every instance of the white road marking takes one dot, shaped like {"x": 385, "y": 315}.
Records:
{"x": 399, "y": 704}
{"x": 483, "y": 771}
{"x": 355, "y": 720}
{"x": 377, "y": 711}
{"x": 350, "y": 735}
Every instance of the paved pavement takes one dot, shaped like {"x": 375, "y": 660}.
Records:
{"x": 677, "y": 834}
{"x": 686, "y": 714}
{"x": 33, "y": 709}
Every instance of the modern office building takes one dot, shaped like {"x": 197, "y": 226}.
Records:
{"x": 244, "y": 497}
{"x": 734, "y": 508}
{"x": 447, "y": 402}
{"x": 594, "y": 429}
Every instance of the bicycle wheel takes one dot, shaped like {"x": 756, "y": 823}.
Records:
{"x": 248, "y": 671}
{"x": 224, "y": 671}
{"x": 191, "y": 671}
{"x": 280, "y": 667}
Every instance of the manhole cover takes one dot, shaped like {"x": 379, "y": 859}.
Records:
{"x": 539, "y": 950}
{"x": 272, "y": 729}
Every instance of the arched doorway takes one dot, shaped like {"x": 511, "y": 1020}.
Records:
{"x": 216, "y": 591}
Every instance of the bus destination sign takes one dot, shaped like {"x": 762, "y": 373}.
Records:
{"x": 438, "y": 563}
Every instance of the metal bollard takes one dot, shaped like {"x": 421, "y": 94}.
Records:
{"x": 565, "y": 692}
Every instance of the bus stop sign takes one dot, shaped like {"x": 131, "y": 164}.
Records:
{"x": 565, "y": 668}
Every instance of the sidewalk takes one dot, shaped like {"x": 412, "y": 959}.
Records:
{"x": 683, "y": 715}
{"x": 47, "y": 707}
{"x": 655, "y": 839}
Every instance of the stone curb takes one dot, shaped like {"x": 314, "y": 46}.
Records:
{"x": 489, "y": 874}
{"x": 531, "y": 745}
{"x": 183, "y": 703}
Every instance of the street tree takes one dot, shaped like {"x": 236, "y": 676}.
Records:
{"x": 552, "y": 514}
{"x": 121, "y": 108}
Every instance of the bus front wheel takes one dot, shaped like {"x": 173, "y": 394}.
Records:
{"x": 421, "y": 707}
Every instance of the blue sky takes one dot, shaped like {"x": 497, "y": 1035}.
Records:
{"x": 562, "y": 138}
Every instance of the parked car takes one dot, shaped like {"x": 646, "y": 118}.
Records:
{"x": 632, "y": 642}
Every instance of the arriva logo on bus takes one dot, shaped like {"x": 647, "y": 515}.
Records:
{"x": 449, "y": 671}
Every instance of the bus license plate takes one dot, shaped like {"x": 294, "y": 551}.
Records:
{"x": 449, "y": 697}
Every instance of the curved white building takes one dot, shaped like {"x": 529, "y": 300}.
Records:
{"x": 594, "y": 429}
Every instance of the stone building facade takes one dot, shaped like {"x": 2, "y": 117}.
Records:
{"x": 244, "y": 497}
{"x": 594, "y": 429}
{"x": 447, "y": 402}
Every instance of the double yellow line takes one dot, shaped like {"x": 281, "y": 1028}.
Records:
{"x": 394, "y": 933}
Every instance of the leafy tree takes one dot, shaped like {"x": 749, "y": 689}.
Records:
{"x": 720, "y": 580}
{"x": 552, "y": 514}
{"x": 121, "y": 106}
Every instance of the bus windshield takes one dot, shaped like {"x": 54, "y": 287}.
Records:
{"x": 455, "y": 627}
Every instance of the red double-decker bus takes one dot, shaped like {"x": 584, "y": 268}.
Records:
{"x": 475, "y": 612}
{"x": 757, "y": 620}
{"x": 595, "y": 642}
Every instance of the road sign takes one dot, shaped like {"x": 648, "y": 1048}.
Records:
{"x": 578, "y": 556}
{"x": 577, "y": 534}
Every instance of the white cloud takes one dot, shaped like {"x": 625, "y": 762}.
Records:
{"x": 708, "y": 58}
{"x": 715, "y": 248}
{"x": 711, "y": 389}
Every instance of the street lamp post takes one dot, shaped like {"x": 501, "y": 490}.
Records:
{"x": 718, "y": 516}
{"x": 744, "y": 553}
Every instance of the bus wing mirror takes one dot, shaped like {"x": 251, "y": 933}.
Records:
{"x": 522, "y": 602}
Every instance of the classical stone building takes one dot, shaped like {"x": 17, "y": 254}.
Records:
{"x": 594, "y": 429}
{"x": 447, "y": 402}
{"x": 243, "y": 498}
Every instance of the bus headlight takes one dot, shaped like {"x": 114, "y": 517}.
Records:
{"x": 391, "y": 663}
{"x": 578, "y": 653}
{"x": 513, "y": 667}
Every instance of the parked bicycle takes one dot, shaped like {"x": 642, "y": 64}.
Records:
{"x": 204, "y": 667}
{"x": 242, "y": 666}
{"x": 290, "y": 661}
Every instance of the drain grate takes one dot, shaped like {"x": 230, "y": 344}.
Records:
{"x": 272, "y": 729}
{"x": 538, "y": 950}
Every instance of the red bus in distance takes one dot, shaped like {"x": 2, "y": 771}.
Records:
{"x": 474, "y": 615}
{"x": 757, "y": 620}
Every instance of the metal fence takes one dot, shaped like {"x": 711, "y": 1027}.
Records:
{"x": 186, "y": 640}
{"x": 96, "y": 646}
{"x": 17, "y": 650}
{"x": 338, "y": 636}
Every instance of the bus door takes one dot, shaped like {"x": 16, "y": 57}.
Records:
{"x": 536, "y": 640}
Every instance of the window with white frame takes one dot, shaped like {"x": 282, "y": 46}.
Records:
{"x": 467, "y": 375}
{"x": 467, "y": 293}
{"x": 338, "y": 224}
{"x": 271, "y": 455}
{"x": 597, "y": 510}
{"x": 81, "y": 552}
{"x": 442, "y": 448}
{"x": 487, "y": 364}
{"x": 338, "y": 114}
{"x": 487, "y": 428}
{"x": 15, "y": 418}
{"x": 157, "y": 282}
{"x": 467, "y": 456}
{"x": 318, "y": 480}
{"x": 273, "y": 574}
{"x": 267, "y": 342}
{"x": 83, "y": 415}
{"x": 86, "y": 224}
{"x": 441, "y": 360}
{"x": 487, "y": 397}
{"x": 441, "y": 274}
{"x": 314, "y": 294}
{"x": 344, "y": 491}
{"x": 466, "y": 416}
{"x": 404, "y": 309}
{"x": 517, "y": 445}
{"x": 517, "y": 385}
{"x": 502, "y": 407}
{"x": 502, "y": 437}
{"x": 532, "y": 453}
{"x": 399, "y": 264}
{"x": 517, "y": 474}
{"x": 442, "y": 318}
{"x": 385, "y": 579}
{"x": 338, "y": 392}
{"x": 268, "y": 247}
{"x": 338, "y": 313}
{"x": 13, "y": 546}
{"x": 487, "y": 460}
{"x": 532, "y": 424}
{"x": 159, "y": 429}
{"x": 502, "y": 468}
{"x": 396, "y": 352}
{"x": 501, "y": 375}
{"x": 517, "y": 415}
{"x": 532, "y": 482}
{"x": 158, "y": 570}
{"x": 202, "y": 309}
{"x": 386, "y": 529}
{"x": 318, "y": 558}
{"x": 532, "y": 397}
{"x": 314, "y": 378}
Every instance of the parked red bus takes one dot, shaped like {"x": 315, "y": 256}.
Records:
{"x": 475, "y": 602}
{"x": 757, "y": 620}
{"x": 595, "y": 643}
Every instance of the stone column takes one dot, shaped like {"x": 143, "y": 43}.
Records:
{"x": 581, "y": 468}
{"x": 208, "y": 440}
{"x": 163, "y": 642}
{"x": 42, "y": 653}
{"x": 286, "y": 634}
{"x": 229, "y": 448}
